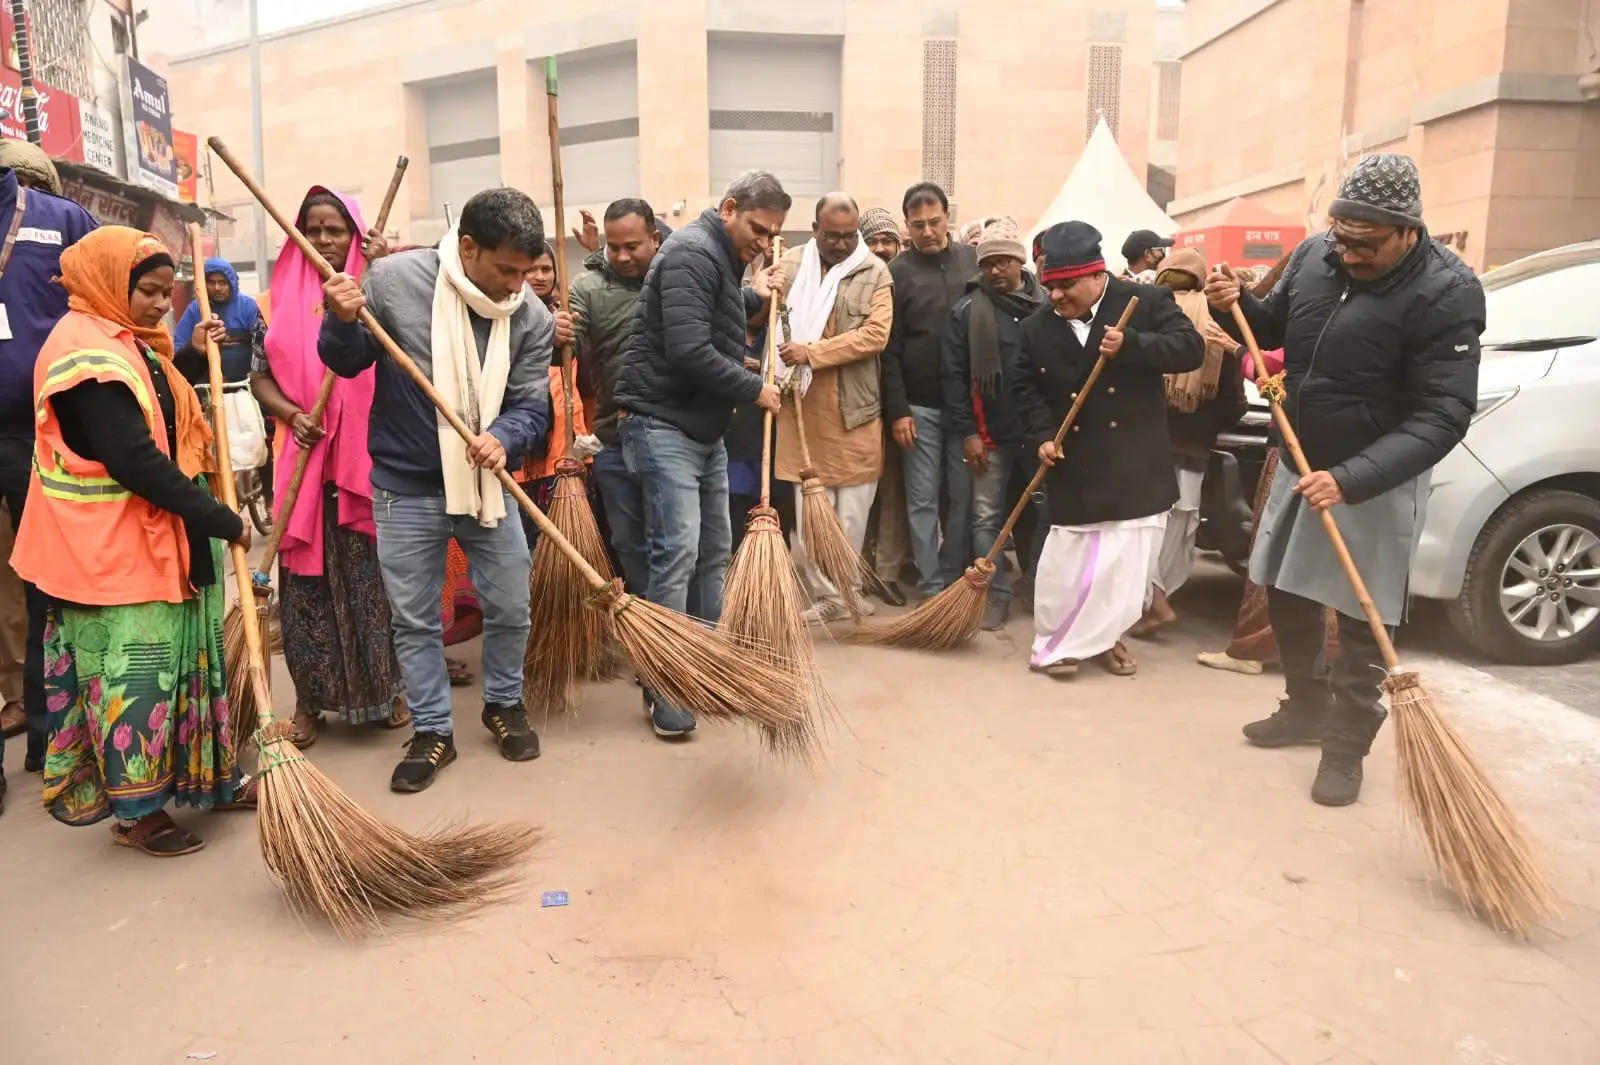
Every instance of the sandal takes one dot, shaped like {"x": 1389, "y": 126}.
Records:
{"x": 1119, "y": 662}
{"x": 157, "y": 835}
{"x": 1065, "y": 669}
{"x": 399, "y": 716}
{"x": 246, "y": 797}
{"x": 460, "y": 676}
{"x": 303, "y": 730}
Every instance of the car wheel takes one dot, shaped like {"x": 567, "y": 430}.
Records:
{"x": 1532, "y": 590}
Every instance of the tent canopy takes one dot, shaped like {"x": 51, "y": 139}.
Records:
{"x": 1104, "y": 192}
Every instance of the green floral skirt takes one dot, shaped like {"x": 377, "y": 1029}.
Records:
{"x": 138, "y": 708}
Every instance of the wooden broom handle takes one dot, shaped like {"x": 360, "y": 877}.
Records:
{"x": 1061, "y": 434}
{"x": 1291, "y": 440}
{"x": 558, "y": 188}
{"x": 292, "y": 495}
{"x": 230, "y": 498}
{"x": 771, "y": 371}
{"x": 409, "y": 368}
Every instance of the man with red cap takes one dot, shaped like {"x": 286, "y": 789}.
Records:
{"x": 1111, "y": 481}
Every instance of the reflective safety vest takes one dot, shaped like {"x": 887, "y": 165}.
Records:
{"x": 85, "y": 538}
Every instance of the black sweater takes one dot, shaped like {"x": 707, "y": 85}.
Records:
{"x": 102, "y": 422}
{"x": 926, "y": 287}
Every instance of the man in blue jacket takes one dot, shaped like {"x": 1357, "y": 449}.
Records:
{"x": 683, "y": 375}
{"x": 461, "y": 312}
{"x": 38, "y": 226}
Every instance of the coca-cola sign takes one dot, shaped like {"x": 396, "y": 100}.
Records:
{"x": 59, "y": 133}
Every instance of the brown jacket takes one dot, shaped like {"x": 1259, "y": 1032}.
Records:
{"x": 852, "y": 343}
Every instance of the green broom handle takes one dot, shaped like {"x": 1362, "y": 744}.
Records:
{"x": 230, "y": 498}
{"x": 1291, "y": 440}
{"x": 1061, "y": 434}
{"x": 409, "y": 368}
{"x": 263, "y": 575}
{"x": 558, "y": 187}
{"x": 771, "y": 376}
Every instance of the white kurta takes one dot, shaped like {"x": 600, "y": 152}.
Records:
{"x": 1093, "y": 583}
{"x": 853, "y": 504}
{"x": 1183, "y": 525}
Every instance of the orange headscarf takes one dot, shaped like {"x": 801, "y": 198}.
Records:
{"x": 96, "y": 272}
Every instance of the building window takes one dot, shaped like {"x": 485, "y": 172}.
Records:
{"x": 600, "y": 124}
{"x": 795, "y": 134}
{"x": 939, "y": 114}
{"x": 463, "y": 114}
{"x": 1169, "y": 79}
{"x": 1105, "y": 87}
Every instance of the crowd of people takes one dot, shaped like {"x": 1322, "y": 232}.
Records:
{"x": 935, "y": 374}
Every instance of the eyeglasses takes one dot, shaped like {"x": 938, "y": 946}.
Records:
{"x": 848, "y": 236}
{"x": 1366, "y": 250}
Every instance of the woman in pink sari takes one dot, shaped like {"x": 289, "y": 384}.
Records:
{"x": 337, "y": 640}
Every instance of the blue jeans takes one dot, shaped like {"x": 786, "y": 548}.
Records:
{"x": 414, "y": 533}
{"x": 624, "y": 504}
{"x": 989, "y": 511}
{"x": 684, "y": 485}
{"x": 934, "y": 462}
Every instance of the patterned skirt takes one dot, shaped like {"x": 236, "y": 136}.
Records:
{"x": 138, "y": 708}
{"x": 337, "y": 633}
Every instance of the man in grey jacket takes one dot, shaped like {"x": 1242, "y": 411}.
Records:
{"x": 417, "y": 470}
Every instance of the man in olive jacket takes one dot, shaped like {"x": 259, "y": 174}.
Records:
{"x": 603, "y": 300}
{"x": 1379, "y": 327}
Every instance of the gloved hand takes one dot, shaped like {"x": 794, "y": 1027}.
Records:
{"x": 586, "y": 447}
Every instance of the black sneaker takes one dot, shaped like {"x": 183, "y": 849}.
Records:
{"x": 1338, "y": 780}
{"x": 509, "y": 723}
{"x": 889, "y": 592}
{"x": 1292, "y": 724}
{"x": 426, "y": 754}
{"x": 669, "y": 721}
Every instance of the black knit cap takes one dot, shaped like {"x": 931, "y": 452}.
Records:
{"x": 1071, "y": 249}
{"x": 1383, "y": 189}
{"x": 144, "y": 266}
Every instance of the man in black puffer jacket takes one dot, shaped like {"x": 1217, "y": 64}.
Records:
{"x": 681, "y": 378}
{"x": 1379, "y": 326}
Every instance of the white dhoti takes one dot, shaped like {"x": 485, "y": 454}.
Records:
{"x": 1183, "y": 524}
{"x": 853, "y": 504}
{"x": 1093, "y": 583}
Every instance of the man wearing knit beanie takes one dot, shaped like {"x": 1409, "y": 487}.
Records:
{"x": 981, "y": 344}
{"x": 1379, "y": 327}
{"x": 881, "y": 232}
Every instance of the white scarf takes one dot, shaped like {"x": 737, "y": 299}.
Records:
{"x": 811, "y": 301}
{"x": 473, "y": 392}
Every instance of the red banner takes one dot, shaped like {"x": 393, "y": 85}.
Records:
{"x": 60, "y": 134}
{"x": 186, "y": 146}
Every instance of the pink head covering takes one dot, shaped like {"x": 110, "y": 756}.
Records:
{"x": 341, "y": 456}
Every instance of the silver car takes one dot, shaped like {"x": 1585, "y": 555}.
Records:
{"x": 1512, "y": 535}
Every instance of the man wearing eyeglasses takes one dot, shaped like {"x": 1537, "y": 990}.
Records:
{"x": 841, "y": 305}
{"x": 1379, "y": 324}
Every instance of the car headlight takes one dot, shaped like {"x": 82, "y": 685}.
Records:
{"x": 1493, "y": 400}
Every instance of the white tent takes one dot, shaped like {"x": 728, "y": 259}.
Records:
{"x": 1102, "y": 191}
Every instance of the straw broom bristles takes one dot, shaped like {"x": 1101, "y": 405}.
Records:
{"x": 762, "y": 611}
{"x": 940, "y": 623}
{"x": 569, "y": 642}
{"x": 1473, "y": 836}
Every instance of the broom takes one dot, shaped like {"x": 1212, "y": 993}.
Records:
{"x": 827, "y": 544}
{"x": 241, "y": 702}
{"x": 763, "y": 603}
{"x": 326, "y": 852}
{"x": 568, "y": 644}
{"x": 674, "y": 655}
{"x": 952, "y": 617}
{"x": 1474, "y": 838}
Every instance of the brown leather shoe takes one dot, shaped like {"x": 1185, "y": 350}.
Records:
{"x": 13, "y": 722}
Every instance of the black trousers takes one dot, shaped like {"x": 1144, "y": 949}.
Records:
{"x": 1355, "y": 678}
{"x": 14, "y": 487}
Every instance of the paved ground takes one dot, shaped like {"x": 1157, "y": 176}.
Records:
{"x": 992, "y": 869}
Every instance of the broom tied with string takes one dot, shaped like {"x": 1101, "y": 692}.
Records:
{"x": 568, "y": 643}
{"x": 674, "y": 655}
{"x": 827, "y": 545}
{"x": 1474, "y": 838}
{"x": 953, "y": 617}
{"x": 763, "y": 602}
{"x": 328, "y": 854}
{"x": 241, "y": 700}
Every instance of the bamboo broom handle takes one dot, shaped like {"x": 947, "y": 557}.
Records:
{"x": 558, "y": 187}
{"x": 771, "y": 371}
{"x": 230, "y": 498}
{"x": 1061, "y": 434}
{"x": 292, "y": 495}
{"x": 409, "y": 368}
{"x": 1291, "y": 440}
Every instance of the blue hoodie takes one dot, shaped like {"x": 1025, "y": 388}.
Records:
{"x": 239, "y": 314}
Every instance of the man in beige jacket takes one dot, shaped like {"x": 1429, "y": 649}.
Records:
{"x": 840, "y": 308}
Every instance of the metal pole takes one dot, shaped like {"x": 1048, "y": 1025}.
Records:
{"x": 30, "y": 99}
{"x": 258, "y": 146}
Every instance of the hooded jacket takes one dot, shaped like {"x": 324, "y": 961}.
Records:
{"x": 239, "y": 315}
